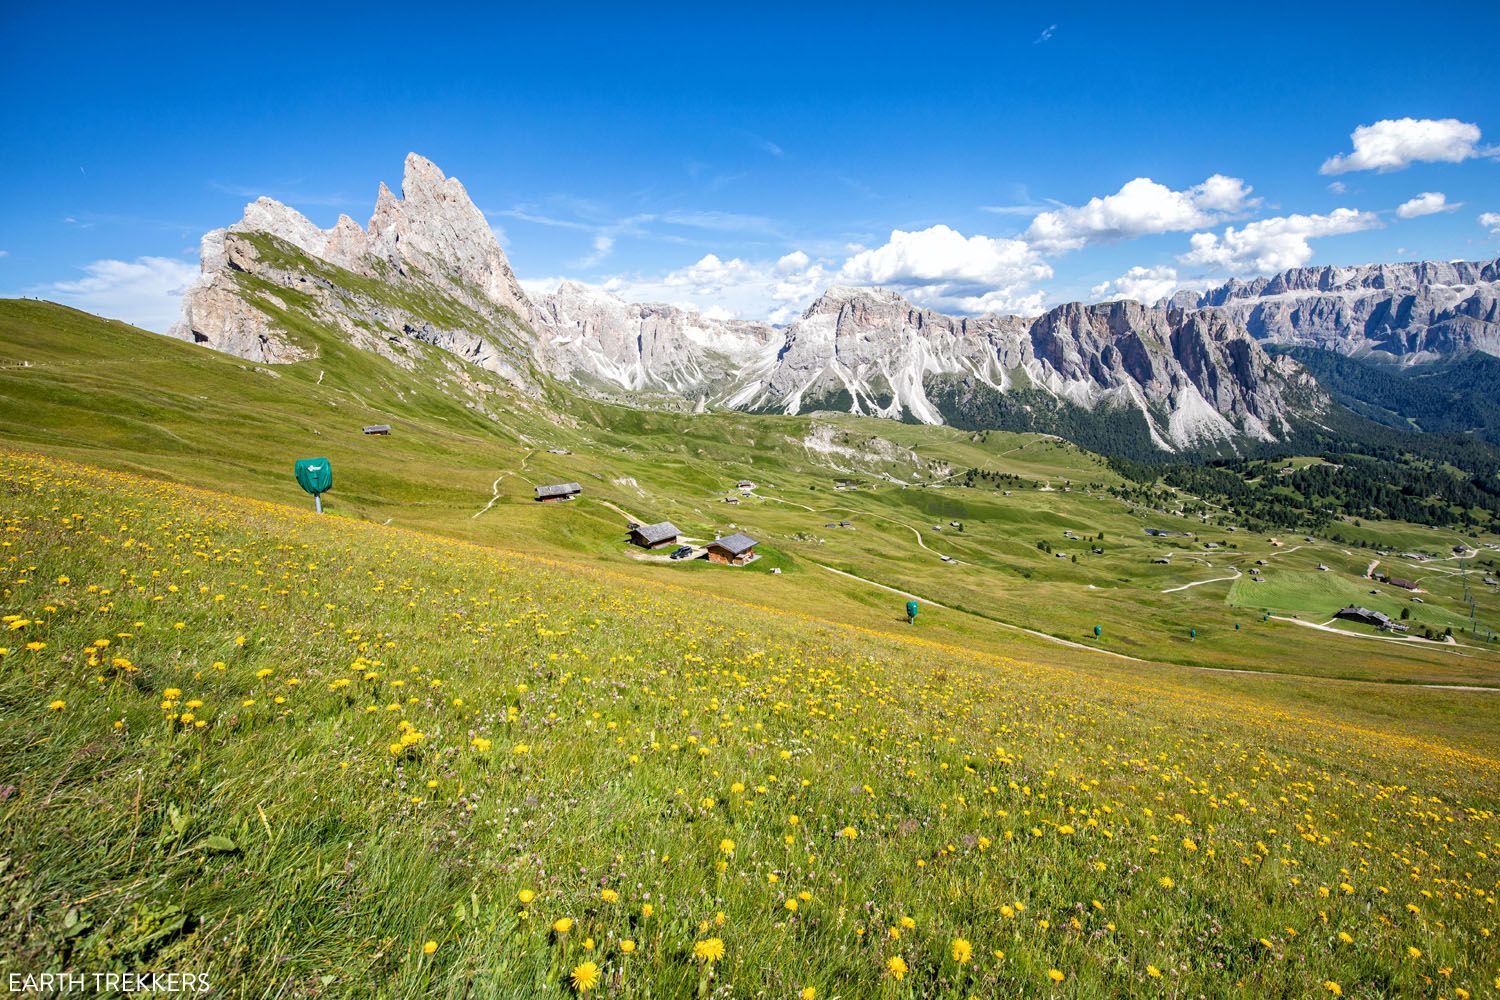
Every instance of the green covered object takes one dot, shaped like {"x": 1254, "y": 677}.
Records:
{"x": 315, "y": 475}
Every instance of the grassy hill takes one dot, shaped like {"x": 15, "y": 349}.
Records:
{"x": 464, "y": 457}
{"x": 308, "y": 755}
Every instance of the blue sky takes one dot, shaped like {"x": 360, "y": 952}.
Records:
{"x": 976, "y": 157}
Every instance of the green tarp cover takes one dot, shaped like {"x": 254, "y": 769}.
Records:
{"x": 315, "y": 475}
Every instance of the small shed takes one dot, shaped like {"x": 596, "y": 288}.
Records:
{"x": 1395, "y": 581}
{"x": 654, "y": 536}
{"x": 732, "y": 550}
{"x": 1364, "y": 616}
{"x": 382, "y": 429}
{"x": 745, "y": 485}
{"x": 558, "y": 492}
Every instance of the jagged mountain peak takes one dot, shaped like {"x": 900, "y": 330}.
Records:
{"x": 428, "y": 268}
{"x": 1414, "y": 311}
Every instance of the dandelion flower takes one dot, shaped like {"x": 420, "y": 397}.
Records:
{"x": 1334, "y": 988}
{"x": 809, "y": 993}
{"x": 1153, "y": 972}
{"x": 609, "y": 895}
{"x": 709, "y": 950}
{"x": 896, "y": 966}
{"x": 526, "y": 896}
{"x": 585, "y": 977}
{"x": 962, "y": 951}
{"x": 1056, "y": 975}
{"x": 58, "y": 705}
{"x": 627, "y": 946}
{"x": 726, "y": 846}
{"x": 429, "y": 947}
{"x": 562, "y": 925}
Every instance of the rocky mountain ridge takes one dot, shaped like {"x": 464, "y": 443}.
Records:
{"x": 428, "y": 269}
{"x": 1410, "y": 312}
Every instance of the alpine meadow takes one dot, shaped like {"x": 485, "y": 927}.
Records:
{"x": 708, "y": 552}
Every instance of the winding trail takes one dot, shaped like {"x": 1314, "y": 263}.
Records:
{"x": 1370, "y": 569}
{"x": 993, "y": 621}
{"x": 495, "y": 486}
{"x": 1200, "y": 583}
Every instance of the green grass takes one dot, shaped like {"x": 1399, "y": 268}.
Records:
{"x": 105, "y": 393}
{"x": 1098, "y": 820}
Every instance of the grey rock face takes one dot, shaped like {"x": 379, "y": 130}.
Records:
{"x": 1197, "y": 376}
{"x": 1414, "y": 312}
{"x": 591, "y": 337}
{"x": 427, "y": 270}
{"x": 433, "y": 273}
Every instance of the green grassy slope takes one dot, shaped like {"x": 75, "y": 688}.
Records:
{"x": 102, "y": 392}
{"x": 314, "y": 756}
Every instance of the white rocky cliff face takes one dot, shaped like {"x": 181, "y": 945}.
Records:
{"x": 427, "y": 270}
{"x": 432, "y": 271}
{"x": 1197, "y": 377}
{"x": 588, "y": 336}
{"x": 1413, "y": 312}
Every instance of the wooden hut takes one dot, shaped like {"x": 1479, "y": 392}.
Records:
{"x": 382, "y": 429}
{"x": 654, "y": 536}
{"x": 558, "y": 492}
{"x": 732, "y": 550}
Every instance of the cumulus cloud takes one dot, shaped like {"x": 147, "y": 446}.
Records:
{"x": 1491, "y": 221}
{"x": 146, "y": 292}
{"x": 1426, "y": 203}
{"x": 1143, "y": 284}
{"x": 1270, "y": 245}
{"x": 1397, "y": 143}
{"x": 1141, "y": 208}
{"x": 720, "y": 288}
{"x": 941, "y": 268}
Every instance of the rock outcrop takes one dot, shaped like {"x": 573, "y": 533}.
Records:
{"x": 1413, "y": 312}
{"x": 593, "y": 338}
{"x": 427, "y": 269}
{"x": 1197, "y": 376}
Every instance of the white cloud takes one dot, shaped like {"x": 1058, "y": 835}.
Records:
{"x": 1491, "y": 221}
{"x": 1426, "y": 203}
{"x": 1046, "y": 34}
{"x": 1141, "y": 208}
{"x": 1337, "y": 187}
{"x": 727, "y": 289}
{"x": 1271, "y": 245}
{"x": 1397, "y": 143}
{"x": 941, "y": 268}
{"x": 1143, "y": 284}
{"x": 146, "y": 291}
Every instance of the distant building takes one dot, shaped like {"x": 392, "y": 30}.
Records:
{"x": 378, "y": 429}
{"x": 1396, "y": 581}
{"x": 745, "y": 485}
{"x": 732, "y": 550}
{"x": 558, "y": 492}
{"x": 1365, "y": 617}
{"x": 654, "y": 536}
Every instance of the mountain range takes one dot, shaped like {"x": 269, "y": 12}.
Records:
{"x": 1188, "y": 375}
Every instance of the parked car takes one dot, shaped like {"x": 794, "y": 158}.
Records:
{"x": 682, "y": 552}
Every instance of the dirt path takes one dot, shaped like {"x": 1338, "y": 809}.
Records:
{"x": 620, "y": 510}
{"x": 992, "y": 621}
{"x": 495, "y": 486}
{"x": 1200, "y": 583}
{"x": 1370, "y": 569}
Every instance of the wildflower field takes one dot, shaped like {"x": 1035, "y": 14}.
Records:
{"x": 317, "y": 757}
